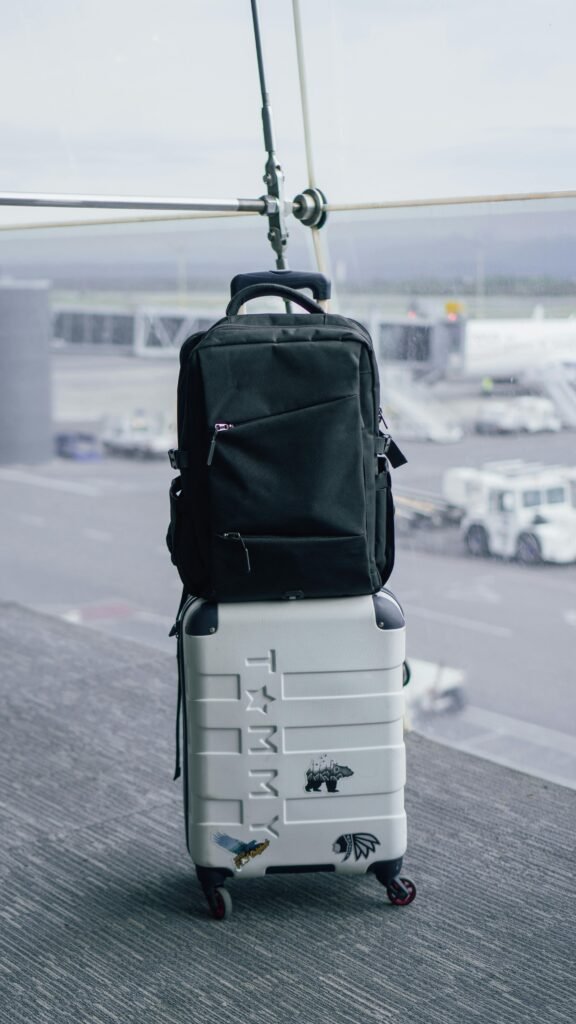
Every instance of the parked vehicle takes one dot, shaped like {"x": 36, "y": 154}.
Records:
{"x": 530, "y": 413}
{"x": 142, "y": 435}
{"x": 77, "y": 445}
{"x": 423, "y": 509}
{"x": 516, "y": 509}
{"x": 433, "y": 688}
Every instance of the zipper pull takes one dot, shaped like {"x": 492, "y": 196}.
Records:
{"x": 381, "y": 418}
{"x": 238, "y": 536}
{"x": 217, "y": 428}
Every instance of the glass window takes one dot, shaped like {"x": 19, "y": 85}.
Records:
{"x": 501, "y": 501}
{"x": 405, "y": 342}
{"x": 531, "y": 498}
{"x": 459, "y": 298}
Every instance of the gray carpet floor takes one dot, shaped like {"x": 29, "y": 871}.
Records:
{"x": 102, "y": 920}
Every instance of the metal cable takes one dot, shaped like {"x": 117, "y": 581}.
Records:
{"x": 259, "y": 55}
{"x": 161, "y": 219}
{"x": 399, "y": 204}
{"x": 303, "y": 92}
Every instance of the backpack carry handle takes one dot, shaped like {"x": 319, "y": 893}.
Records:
{"x": 318, "y": 284}
{"x": 255, "y": 291}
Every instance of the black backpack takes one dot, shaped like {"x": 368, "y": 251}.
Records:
{"x": 284, "y": 488}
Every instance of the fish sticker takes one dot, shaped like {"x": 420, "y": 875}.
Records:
{"x": 361, "y": 844}
{"x": 243, "y": 852}
{"x": 328, "y": 773}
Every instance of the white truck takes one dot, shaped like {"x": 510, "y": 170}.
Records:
{"x": 516, "y": 509}
{"x": 141, "y": 435}
{"x": 530, "y": 413}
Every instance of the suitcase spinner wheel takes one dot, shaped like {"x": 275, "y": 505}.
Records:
{"x": 217, "y": 895}
{"x": 401, "y": 892}
{"x": 220, "y": 902}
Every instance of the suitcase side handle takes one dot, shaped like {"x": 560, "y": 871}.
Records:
{"x": 318, "y": 284}
{"x": 255, "y": 291}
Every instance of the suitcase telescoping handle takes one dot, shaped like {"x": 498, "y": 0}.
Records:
{"x": 298, "y": 279}
{"x": 255, "y": 291}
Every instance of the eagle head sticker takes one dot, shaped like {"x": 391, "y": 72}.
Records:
{"x": 361, "y": 844}
{"x": 243, "y": 852}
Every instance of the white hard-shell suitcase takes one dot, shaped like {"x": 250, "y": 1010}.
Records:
{"x": 294, "y": 753}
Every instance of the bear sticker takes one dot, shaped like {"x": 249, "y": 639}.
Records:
{"x": 325, "y": 773}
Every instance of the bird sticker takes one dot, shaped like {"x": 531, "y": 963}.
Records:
{"x": 243, "y": 852}
{"x": 361, "y": 844}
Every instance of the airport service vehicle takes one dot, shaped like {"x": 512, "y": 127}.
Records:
{"x": 529, "y": 413}
{"x": 141, "y": 435}
{"x": 77, "y": 445}
{"x": 516, "y": 509}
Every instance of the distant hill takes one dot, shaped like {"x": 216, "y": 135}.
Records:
{"x": 378, "y": 250}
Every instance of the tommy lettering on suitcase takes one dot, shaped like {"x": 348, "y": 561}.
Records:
{"x": 292, "y": 710}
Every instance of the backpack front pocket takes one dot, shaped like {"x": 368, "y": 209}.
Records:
{"x": 298, "y": 474}
{"x": 248, "y": 567}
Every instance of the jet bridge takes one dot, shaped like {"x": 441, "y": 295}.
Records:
{"x": 558, "y": 382}
{"x": 426, "y": 346}
{"x": 411, "y": 411}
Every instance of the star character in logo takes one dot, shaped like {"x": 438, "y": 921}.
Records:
{"x": 243, "y": 852}
{"x": 361, "y": 844}
{"x": 258, "y": 700}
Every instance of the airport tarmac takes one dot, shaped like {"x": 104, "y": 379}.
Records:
{"x": 85, "y": 541}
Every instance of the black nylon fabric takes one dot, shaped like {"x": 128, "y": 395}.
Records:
{"x": 314, "y": 499}
{"x": 284, "y": 495}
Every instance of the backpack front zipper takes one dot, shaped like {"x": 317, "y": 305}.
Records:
{"x": 238, "y": 537}
{"x": 218, "y": 428}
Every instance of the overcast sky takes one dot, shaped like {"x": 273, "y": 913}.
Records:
{"x": 409, "y": 98}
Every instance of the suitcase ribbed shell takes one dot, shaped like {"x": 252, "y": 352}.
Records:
{"x": 294, "y": 734}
